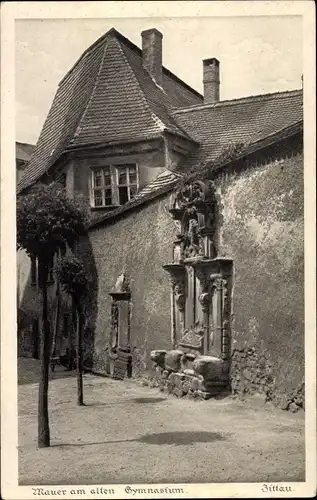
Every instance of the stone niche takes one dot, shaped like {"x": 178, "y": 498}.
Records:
{"x": 200, "y": 284}
{"x": 119, "y": 359}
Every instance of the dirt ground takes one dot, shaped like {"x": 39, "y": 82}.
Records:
{"x": 127, "y": 433}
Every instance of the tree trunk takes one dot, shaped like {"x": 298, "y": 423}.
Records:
{"x": 43, "y": 422}
{"x": 57, "y": 318}
{"x": 80, "y": 396}
{"x": 72, "y": 336}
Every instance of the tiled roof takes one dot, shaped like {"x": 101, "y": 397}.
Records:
{"x": 61, "y": 123}
{"x": 163, "y": 183}
{"x": 107, "y": 97}
{"x": 164, "y": 179}
{"x": 23, "y": 151}
{"x": 245, "y": 120}
{"x": 168, "y": 180}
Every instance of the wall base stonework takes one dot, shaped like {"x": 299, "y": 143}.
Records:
{"x": 186, "y": 384}
{"x": 251, "y": 373}
{"x": 207, "y": 378}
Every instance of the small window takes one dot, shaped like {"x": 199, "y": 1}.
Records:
{"x": 101, "y": 187}
{"x": 114, "y": 185}
{"x": 127, "y": 182}
{"x": 123, "y": 195}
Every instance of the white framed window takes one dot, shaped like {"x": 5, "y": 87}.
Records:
{"x": 102, "y": 195}
{"x": 127, "y": 182}
{"x": 113, "y": 185}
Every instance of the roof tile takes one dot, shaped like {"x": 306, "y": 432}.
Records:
{"x": 107, "y": 97}
{"x": 243, "y": 120}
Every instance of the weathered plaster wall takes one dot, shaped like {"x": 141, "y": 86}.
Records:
{"x": 262, "y": 231}
{"x": 138, "y": 244}
{"x": 150, "y": 165}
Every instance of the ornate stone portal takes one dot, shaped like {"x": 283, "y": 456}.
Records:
{"x": 200, "y": 281}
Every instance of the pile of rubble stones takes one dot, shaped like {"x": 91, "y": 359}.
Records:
{"x": 188, "y": 374}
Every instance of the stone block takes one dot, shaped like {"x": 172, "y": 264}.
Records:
{"x": 154, "y": 384}
{"x": 298, "y": 401}
{"x": 204, "y": 394}
{"x": 195, "y": 384}
{"x": 173, "y": 360}
{"x": 186, "y": 387}
{"x": 158, "y": 357}
{"x": 204, "y": 385}
{"x": 158, "y": 372}
{"x": 210, "y": 368}
{"x": 169, "y": 387}
{"x": 179, "y": 379}
{"x": 189, "y": 371}
{"x": 293, "y": 407}
{"x": 165, "y": 374}
{"x": 178, "y": 392}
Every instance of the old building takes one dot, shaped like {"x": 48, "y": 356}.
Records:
{"x": 212, "y": 263}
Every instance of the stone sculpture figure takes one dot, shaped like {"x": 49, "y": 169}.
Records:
{"x": 192, "y": 238}
{"x": 122, "y": 284}
{"x": 178, "y": 253}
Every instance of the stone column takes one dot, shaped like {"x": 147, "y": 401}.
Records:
{"x": 180, "y": 299}
{"x": 173, "y": 318}
{"x": 177, "y": 281}
{"x": 204, "y": 300}
{"x": 114, "y": 324}
{"x": 225, "y": 333}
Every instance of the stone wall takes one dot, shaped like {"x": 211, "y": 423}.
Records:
{"x": 262, "y": 230}
{"x": 138, "y": 245}
{"x": 252, "y": 373}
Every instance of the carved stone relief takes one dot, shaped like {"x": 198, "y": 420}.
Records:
{"x": 194, "y": 258}
{"x": 194, "y": 206}
{"x": 193, "y": 338}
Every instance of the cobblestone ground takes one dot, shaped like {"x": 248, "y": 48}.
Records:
{"x": 127, "y": 433}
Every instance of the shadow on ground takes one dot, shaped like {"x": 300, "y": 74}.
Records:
{"x": 182, "y": 438}
{"x": 124, "y": 402}
{"x": 29, "y": 371}
{"x": 176, "y": 438}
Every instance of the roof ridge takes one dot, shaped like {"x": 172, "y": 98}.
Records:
{"x": 94, "y": 45}
{"x": 91, "y": 96}
{"x": 166, "y": 71}
{"x": 155, "y": 118}
{"x": 238, "y": 100}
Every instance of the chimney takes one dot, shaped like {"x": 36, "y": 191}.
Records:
{"x": 152, "y": 53}
{"x": 211, "y": 80}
